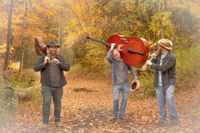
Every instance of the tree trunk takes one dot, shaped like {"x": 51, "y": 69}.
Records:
{"x": 9, "y": 38}
{"x": 22, "y": 59}
{"x": 60, "y": 34}
{"x": 125, "y": 11}
{"x": 23, "y": 36}
{"x": 83, "y": 14}
{"x": 162, "y": 33}
{"x": 137, "y": 3}
{"x": 161, "y": 9}
{"x": 165, "y": 4}
{"x": 88, "y": 13}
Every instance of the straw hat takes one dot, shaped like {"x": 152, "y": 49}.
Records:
{"x": 135, "y": 85}
{"x": 166, "y": 43}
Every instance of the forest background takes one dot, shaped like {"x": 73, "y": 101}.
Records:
{"x": 68, "y": 22}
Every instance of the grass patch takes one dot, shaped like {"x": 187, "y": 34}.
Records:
{"x": 146, "y": 85}
{"x": 187, "y": 67}
{"x": 27, "y": 83}
{"x": 2, "y": 85}
{"x": 101, "y": 71}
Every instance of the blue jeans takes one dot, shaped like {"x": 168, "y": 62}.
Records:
{"x": 125, "y": 92}
{"x": 48, "y": 93}
{"x": 163, "y": 96}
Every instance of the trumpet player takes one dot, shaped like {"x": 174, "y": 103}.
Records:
{"x": 164, "y": 65}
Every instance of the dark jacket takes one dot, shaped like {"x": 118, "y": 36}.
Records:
{"x": 44, "y": 69}
{"x": 168, "y": 70}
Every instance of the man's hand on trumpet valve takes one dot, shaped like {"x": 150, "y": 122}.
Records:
{"x": 156, "y": 53}
{"x": 149, "y": 62}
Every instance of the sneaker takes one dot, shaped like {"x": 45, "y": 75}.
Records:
{"x": 58, "y": 124}
{"x": 45, "y": 122}
{"x": 161, "y": 123}
{"x": 175, "y": 122}
{"x": 57, "y": 120}
{"x": 121, "y": 118}
{"x": 113, "y": 119}
{"x": 44, "y": 126}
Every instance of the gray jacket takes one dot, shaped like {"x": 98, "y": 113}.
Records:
{"x": 45, "y": 70}
{"x": 168, "y": 70}
{"x": 120, "y": 76}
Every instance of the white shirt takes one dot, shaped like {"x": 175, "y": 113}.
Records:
{"x": 159, "y": 72}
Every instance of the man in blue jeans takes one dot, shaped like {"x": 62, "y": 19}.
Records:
{"x": 164, "y": 65}
{"x": 120, "y": 81}
{"x": 51, "y": 67}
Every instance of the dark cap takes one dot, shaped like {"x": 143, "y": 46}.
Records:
{"x": 52, "y": 44}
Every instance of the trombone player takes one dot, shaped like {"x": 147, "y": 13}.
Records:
{"x": 164, "y": 64}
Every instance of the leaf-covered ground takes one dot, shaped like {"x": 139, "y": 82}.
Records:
{"x": 87, "y": 105}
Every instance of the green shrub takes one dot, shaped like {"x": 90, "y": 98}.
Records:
{"x": 187, "y": 66}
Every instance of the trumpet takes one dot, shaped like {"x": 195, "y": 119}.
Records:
{"x": 151, "y": 57}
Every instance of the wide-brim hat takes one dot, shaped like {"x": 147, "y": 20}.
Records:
{"x": 135, "y": 85}
{"x": 166, "y": 43}
{"x": 52, "y": 44}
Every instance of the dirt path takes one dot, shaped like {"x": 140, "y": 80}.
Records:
{"x": 87, "y": 108}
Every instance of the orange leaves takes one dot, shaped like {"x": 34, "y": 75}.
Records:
{"x": 36, "y": 23}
